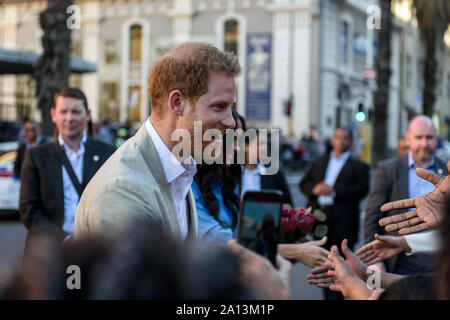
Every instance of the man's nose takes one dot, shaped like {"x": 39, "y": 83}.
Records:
{"x": 424, "y": 142}
{"x": 228, "y": 121}
{"x": 68, "y": 116}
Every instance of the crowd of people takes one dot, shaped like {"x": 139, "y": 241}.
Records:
{"x": 143, "y": 223}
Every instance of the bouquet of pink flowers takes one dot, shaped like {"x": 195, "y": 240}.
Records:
{"x": 298, "y": 223}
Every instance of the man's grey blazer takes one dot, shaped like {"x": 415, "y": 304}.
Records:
{"x": 131, "y": 186}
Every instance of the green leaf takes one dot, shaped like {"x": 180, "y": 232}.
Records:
{"x": 320, "y": 231}
{"x": 319, "y": 215}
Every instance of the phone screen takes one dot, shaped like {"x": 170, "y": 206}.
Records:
{"x": 260, "y": 226}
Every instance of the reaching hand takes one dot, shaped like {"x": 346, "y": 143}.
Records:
{"x": 310, "y": 253}
{"x": 321, "y": 278}
{"x": 358, "y": 267}
{"x": 430, "y": 207}
{"x": 382, "y": 248}
{"x": 259, "y": 274}
{"x": 346, "y": 280}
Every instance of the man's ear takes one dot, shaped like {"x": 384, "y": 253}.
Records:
{"x": 407, "y": 139}
{"x": 176, "y": 102}
{"x": 53, "y": 113}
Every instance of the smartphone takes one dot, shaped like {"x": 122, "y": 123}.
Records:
{"x": 259, "y": 223}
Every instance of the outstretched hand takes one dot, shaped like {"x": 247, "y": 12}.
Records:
{"x": 323, "y": 278}
{"x": 310, "y": 253}
{"x": 348, "y": 273}
{"x": 430, "y": 207}
{"x": 382, "y": 248}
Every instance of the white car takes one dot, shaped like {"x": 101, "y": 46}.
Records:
{"x": 9, "y": 184}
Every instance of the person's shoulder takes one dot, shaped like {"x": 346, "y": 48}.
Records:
{"x": 102, "y": 145}
{"x": 41, "y": 149}
{"x": 440, "y": 164}
{"x": 359, "y": 163}
{"x": 320, "y": 159}
{"x": 393, "y": 162}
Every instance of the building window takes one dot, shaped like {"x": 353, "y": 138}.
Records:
{"x": 110, "y": 51}
{"x": 231, "y": 36}
{"x": 109, "y": 104}
{"x": 345, "y": 43}
{"x": 76, "y": 49}
{"x": 136, "y": 43}
{"x": 135, "y": 72}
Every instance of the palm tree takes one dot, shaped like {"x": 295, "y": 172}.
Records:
{"x": 381, "y": 97}
{"x": 433, "y": 18}
{"x": 53, "y": 68}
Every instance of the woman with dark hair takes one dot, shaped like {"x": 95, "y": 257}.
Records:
{"x": 216, "y": 191}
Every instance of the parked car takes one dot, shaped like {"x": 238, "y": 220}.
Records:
{"x": 9, "y": 183}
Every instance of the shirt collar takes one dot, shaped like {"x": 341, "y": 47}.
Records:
{"x": 38, "y": 141}
{"x": 63, "y": 144}
{"x": 412, "y": 163}
{"x": 172, "y": 167}
{"x": 343, "y": 156}
{"x": 260, "y": 169}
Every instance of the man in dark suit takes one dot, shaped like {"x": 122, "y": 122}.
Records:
{"x": 54, "y": 174}
{"x": 335, "y": 184}
{"x": 396, "y": 179}
{"x": 32, "y": 139}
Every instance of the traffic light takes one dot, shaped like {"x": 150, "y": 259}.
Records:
{"x": 288, "y": 108}
{"x": 360, "y": 116}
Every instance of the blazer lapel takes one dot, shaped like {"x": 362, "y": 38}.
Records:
{"x": 267, "y": 181}
{"x": 153, "y": 162}
{"x": 323, "y": 167}
{"x": 193, "y": 225}
{"x": 54, "y": 170}
{"x": 345, "y": 167}
{"x": 440, "y": 167}
{"x": 89, "y": 165}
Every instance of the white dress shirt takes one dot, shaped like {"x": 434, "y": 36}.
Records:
{"x": 423, "y": 242}
{"x": 71, "y": 197}
{"x": 179, "y": 176}
{"x": 334, "y": 167}
{"x": 251, "y": 179}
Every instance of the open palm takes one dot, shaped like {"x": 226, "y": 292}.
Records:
{"x": 382, "y": 248}
{"x": 429, "y": 211}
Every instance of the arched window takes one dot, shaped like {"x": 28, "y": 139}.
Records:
{"x": 136, "y": 43}
{"x": 231, "y": 38}
{"x": 134, "y": 89}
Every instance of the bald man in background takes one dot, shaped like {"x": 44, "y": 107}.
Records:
{"x": 396, "y": 179}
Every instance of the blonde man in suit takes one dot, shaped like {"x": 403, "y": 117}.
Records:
{"x": 144, "y": 180}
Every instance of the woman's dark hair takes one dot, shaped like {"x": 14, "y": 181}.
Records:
{"x": 208, "y": 176}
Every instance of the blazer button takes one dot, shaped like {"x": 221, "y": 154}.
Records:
{"x": 96, "y": 158}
